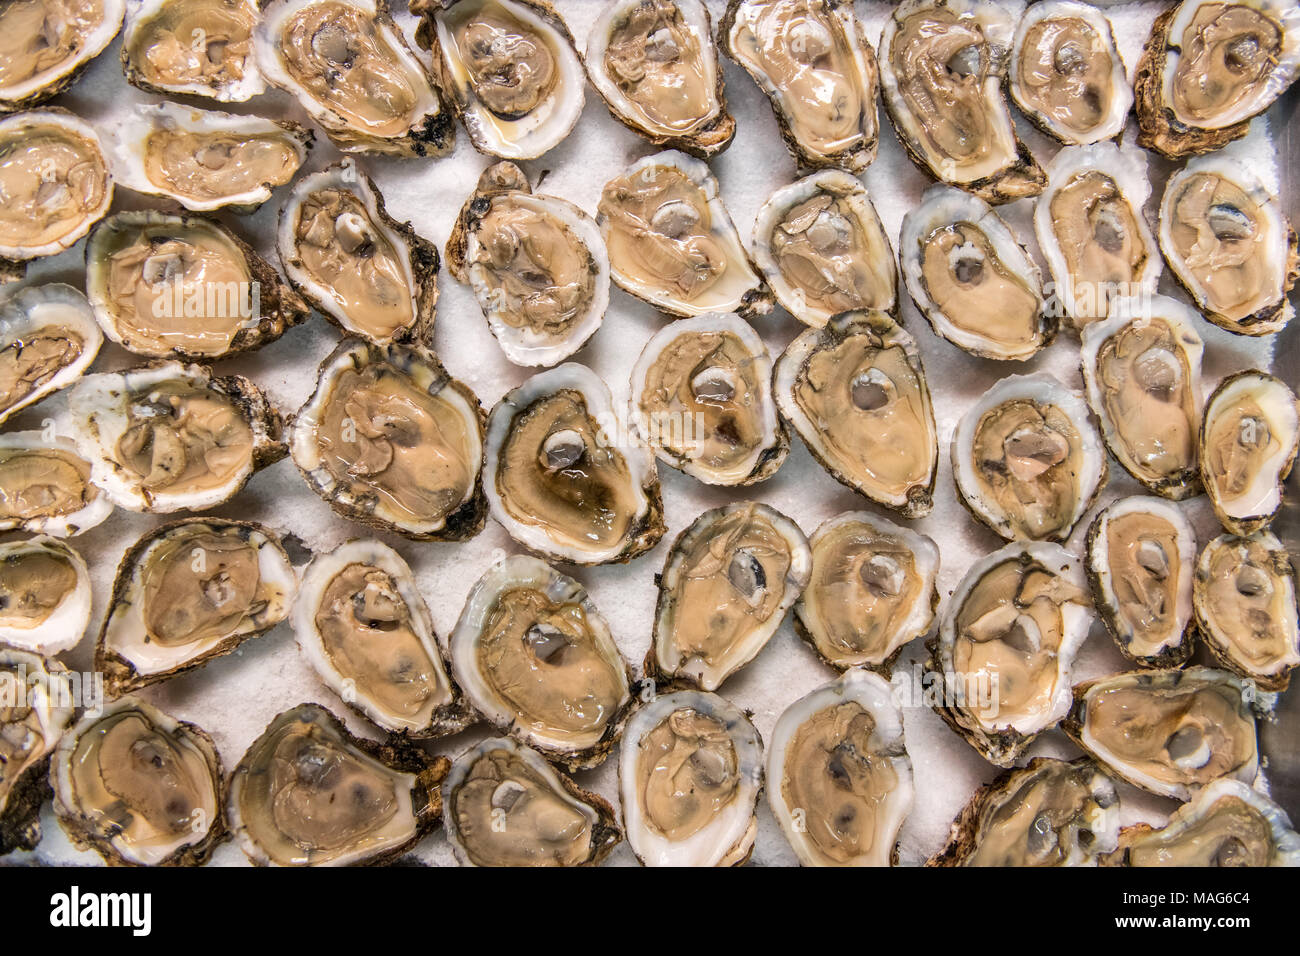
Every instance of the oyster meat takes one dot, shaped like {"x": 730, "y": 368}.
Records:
{"x": 192, "y": 47}
{"x": 45, "y": 486}
{"x": 36, "y": 705}
{"x": 48, "y": 337}
{"x": 46, "y": 44}
{"x": 44, "y": 595}
{"x": 726, "y": 585}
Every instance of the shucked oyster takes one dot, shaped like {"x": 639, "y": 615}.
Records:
{"x": 839, "y": 779}
{"x": 1007, "y": 642}
{"x": 36, "y": 705}
{"x": 655, "y": 65}
{"x": 1168, "y": 731}
{"x": 308, "y": 793}
{"x": 1049, "y": 813}
{"x": 814, "y": 62}
{"x": 168, "y": 437}
{"x": 1142, "y": 367}
{"x": 537, "y": 265}
{"x": 702, "y": 398}
{"x": 689, "y": 773}
{"x": 510, "y": 69}
{"x": 363, "y": 625}
{"x": 349, "y": 66}
{"x": 823, "y": 250}
{"x": 140, "y": 787}
{"x": 1226, "y": 824}
{"x": 47, "y": 43}
{"x": 972, "y": 278}
{"x": 389, "y": 439}
{"x": 1245, "y": 599}
{"x": 366, "y": 272}
{"x": 1066, "y": 74}
{"x": 856, "y": 394}
{"x": 871, "y": 590}
{"x": 1141, "y": 561}
{"x": 941, "y": 69}
{"x": 536, "y": 659}
{"x": 726, "y": 585}
{"x": 48, "y": 337}
{"x": 506, "y": 806}
{"x": 44, "y": 595}
{"x": 1249, "y": 437}
{"x": 1209, "y": 66}
{"x": 45, "y": 486}
{"x": 672, "y": 243}
{"x": 1027, "y": 459}
{"x": 184, "y": 286}
{"x": 188, "y": 592}
{"x": 560, "y": 478}
{"x": 193, "y": 47}
{"x": 1227, "y": 241}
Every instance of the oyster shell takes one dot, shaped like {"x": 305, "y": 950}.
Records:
{"x": 1007, "y": 641}
{"x": 139, "y": 787}
{"x": 871, "y": 591}
{"x": 726, "y": 585}
{"x": 308, "y": 793}
{"x": 45, "y": 486}
{"x": 416, "y": 471}
{"x": 536, "y": 659}
{"x": 48, "y": 337}
{"x": 672, "y": 243}
{"x": 48, "y": 43}
{"x": 813, "y": 60}
{"x": 349, "y": 66}
{"x": 192, "y": 47}
{"x": 1092, "y": 231}
{"x": 1168, "y": 731}
{"x": 954, "y": 52}
{"x": 823, "y": 249}
{"x": 689, "y": 773}
{"x": 1226, "y": 824}
{"x": 362, "y": 624}
{"x": 369, "y": 274}
{"x": 1142, "y": 368}
{"x": 1027, "y": 459}
{"x": 839, "y": 779}
{"x": 1230, "y": 246}
{"x": 1141, "y": 562}
{"x": 171, "y": 437}
{"x": 188, "y": 592}
{"x": 971, "y": 277}
{"x": 1245, "y": 600}
{"x": 1208, "y": 67}
{"x": 203, "y": 159}
{"x": 184, "y": 286}
{"x": 1048, "y": 813}
{"x": 855, "y": 392}
{"x": 510, "y": 69}
{"x": 537, "y": 265}
{"x": 36, "y": 705}
{"x": 655, "y": 65}
{"x": 506, "y": 806}
{"x": 561, "y": 479}
{"x": 702, "y": 398}
{"x": 44, "y": 595}
{"x": 1066, "y": 74}
{"x": 1248, "y": 443}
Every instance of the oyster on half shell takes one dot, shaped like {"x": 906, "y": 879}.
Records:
{"x": 38, "y": 706}
{"x": 48, "y": 338}
{"x": 46, "y": 44}
{"x": 44, "y": 595}
{"x": 193, "y": 48}
{"x": 45, "y": 486}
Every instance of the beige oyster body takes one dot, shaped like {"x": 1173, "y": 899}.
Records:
{"x": 198, "y": 48}
{"x": 46, "y": 487}
{"x": 46, "y": 44}
{"x": 45, "y": 595}
{"x": 48, "y": 338}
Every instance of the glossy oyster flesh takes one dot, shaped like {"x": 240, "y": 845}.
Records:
{"x": 188, "y": 592}
{"x": 140, "y": 787}
{"x": 389, "y": 439}
{"x": 726, "y": 585}
{"x": 193, "y": 47}
{"x": 689, "y": 773}
{"x": 839, "y": 779}
{"x": 309, "y": 793}
{"x": 44, "y": 595}
{"x": 856, "y": 393}
{"x": 48, "y": 337}
{"x": 506, "y": 806}
{"x": 535, "y": 657}
{"x": 45, "y": 486}
{"x": 48, "y": 43}
{"x": 871, "y": 590}
{"x": 36, "y": 706}
{"x": 559, "y": 482}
